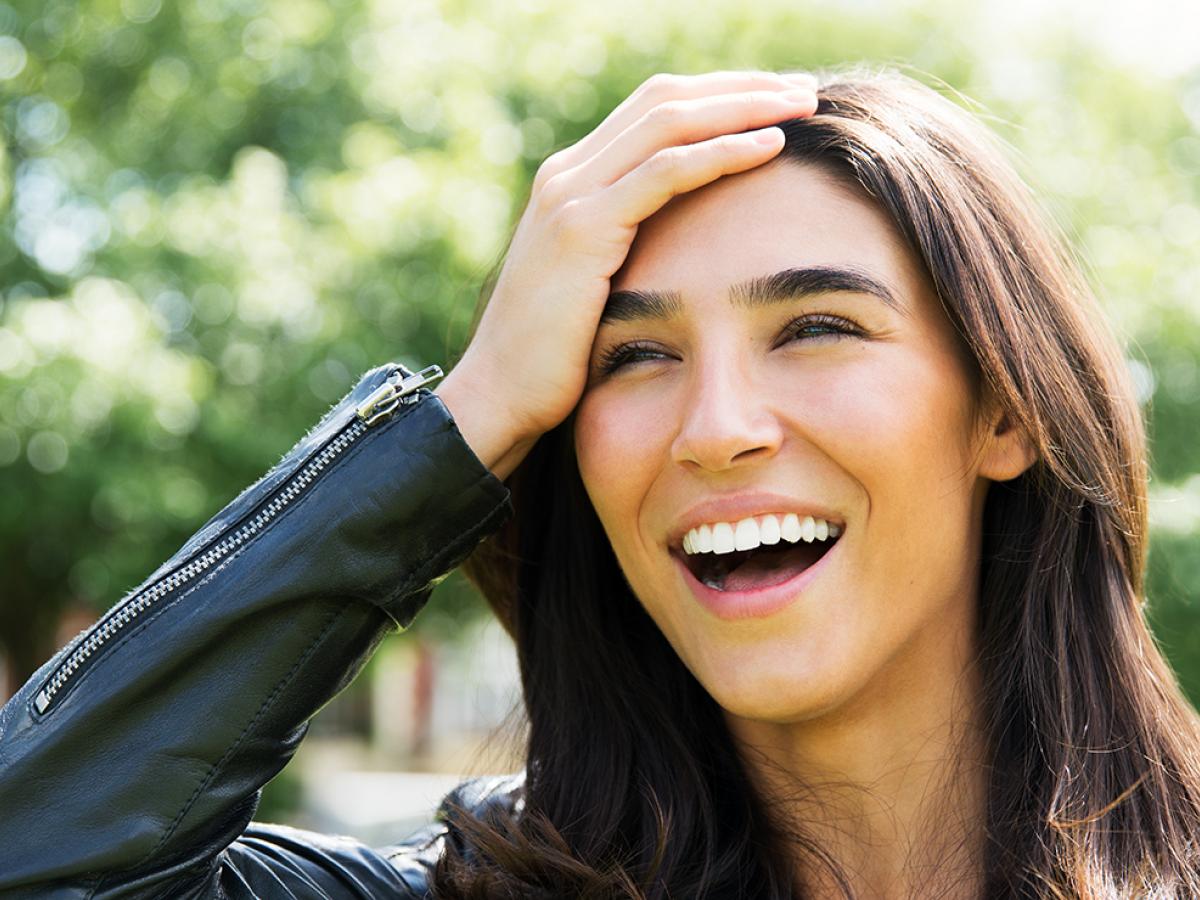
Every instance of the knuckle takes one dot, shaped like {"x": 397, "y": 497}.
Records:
{"x": 751, "y": 79}
{"x": 730, "y": 144}
{"x": 748, "y": 103}
{"x": 670, "y": 160}
{"x": 570, "y": 220}
{"x": 552, "y": 192}
{"x": 666, "y": 116}
{"x": 749, "y": 99}
{"x": 551, "y": 166}
{"x": 660, "y": 84}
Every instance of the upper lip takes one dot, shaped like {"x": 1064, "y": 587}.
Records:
{"x": 735, "y": 507}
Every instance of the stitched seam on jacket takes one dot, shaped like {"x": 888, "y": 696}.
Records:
{"x": 266, "y": 705}
{"x": 262, "y": 710}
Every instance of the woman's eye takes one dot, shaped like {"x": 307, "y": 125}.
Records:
{"x": 818, "y": 325}
{"x": 616, "y": 357}
{"x": 822, "y": 325}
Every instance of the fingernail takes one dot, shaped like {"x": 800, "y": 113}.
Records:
{"x": 801, "y": 78}
{"x": 767, "y": 135}
{"x": 798, "y": 96}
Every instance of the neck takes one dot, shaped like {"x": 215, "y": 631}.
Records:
{"x": 892, "y": 785}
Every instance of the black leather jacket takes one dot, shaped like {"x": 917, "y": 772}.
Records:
{"x": 131, "y": 762}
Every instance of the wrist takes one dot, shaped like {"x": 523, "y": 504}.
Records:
{"x": 485, "y": 424}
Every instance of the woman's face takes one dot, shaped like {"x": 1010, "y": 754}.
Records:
{"x": 726, "y": 406}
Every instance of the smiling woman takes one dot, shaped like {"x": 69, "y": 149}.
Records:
{"x": 822, "y": 547}
{"x": 950, "y": 690}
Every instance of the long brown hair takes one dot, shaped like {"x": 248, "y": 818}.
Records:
{"x": 633, "y": 787}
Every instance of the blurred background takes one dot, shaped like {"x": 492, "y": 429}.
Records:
{"x": 217, "y": 213}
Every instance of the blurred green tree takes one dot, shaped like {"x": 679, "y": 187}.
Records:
{"x": 217, "y": 213}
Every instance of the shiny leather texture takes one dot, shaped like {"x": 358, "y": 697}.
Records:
{"x": 131, "y": 763}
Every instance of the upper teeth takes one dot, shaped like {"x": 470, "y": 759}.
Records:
{"x": 726, "y": 537}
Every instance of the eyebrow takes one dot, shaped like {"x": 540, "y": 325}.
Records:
{"x": 766, "y": 290}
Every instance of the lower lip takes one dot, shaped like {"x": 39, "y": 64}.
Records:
{"x": 756, "y": 604}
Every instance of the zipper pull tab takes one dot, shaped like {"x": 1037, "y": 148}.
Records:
{"x": 383, "y": 401}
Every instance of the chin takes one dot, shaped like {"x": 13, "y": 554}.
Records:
{"x": 772, "y": 695}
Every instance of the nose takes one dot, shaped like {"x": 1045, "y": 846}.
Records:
{"x": 726, "y": 420}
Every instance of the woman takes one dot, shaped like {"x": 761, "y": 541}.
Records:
{"x": 960, "y": 697}
{"x": 823, "y": 555}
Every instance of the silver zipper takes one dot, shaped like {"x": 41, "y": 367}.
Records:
{"x": 379, "y": 405}
{"x": 384, "y": 399}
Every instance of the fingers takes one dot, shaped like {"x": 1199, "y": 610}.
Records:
{"x": 679, "y": 122}
{"x": 676, "y": 170}
{"x": 661, "y": 88}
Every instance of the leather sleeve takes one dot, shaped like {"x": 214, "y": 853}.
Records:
{"x": 131, "y": 762}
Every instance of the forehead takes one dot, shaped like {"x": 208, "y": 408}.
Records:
{"x": 777, "y": 216}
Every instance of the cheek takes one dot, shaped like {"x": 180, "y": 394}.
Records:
{"x": 889, "y": 412}
{"x": 897, "y": 423}
{"x": 619, "y": 446}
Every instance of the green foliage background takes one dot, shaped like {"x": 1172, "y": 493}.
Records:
{"x": 217, "y": 213}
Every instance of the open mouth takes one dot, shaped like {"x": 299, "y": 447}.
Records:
{"x": 762, "y": 567}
